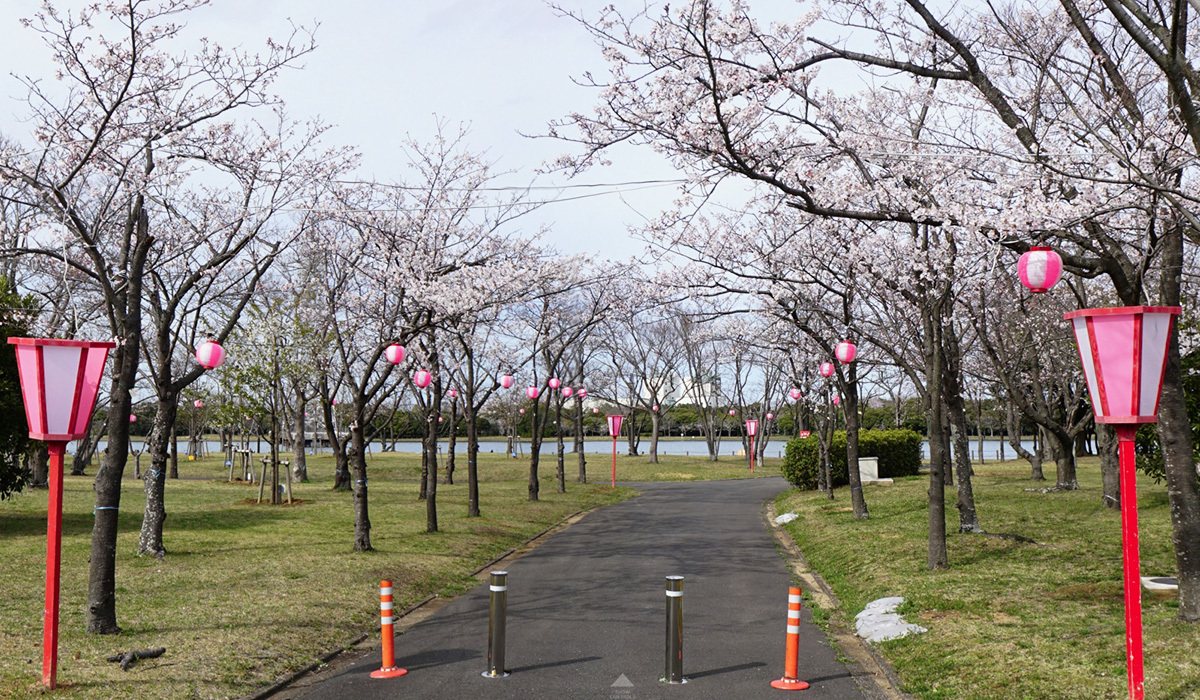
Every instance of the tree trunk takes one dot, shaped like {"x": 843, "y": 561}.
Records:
{"x": 85, "y": 449}
{"x": 423, "y": 488}
{"x": 579, "y": 440}
{"x": 452, "y": 442}
{"x": 654, "y": 418}
{"x": 1014, "y": 439}
{"x": 39, "y": 466}
{"x": 535, "y": 448}
{"x": 562, "y": 450}
{"x": 1064, "y": 461}
{"x": 932, "y": 326}
{"x": 431, "y": 519}
{"x": 851, "y": 413}
{"x": 154, "y": 479}
{"x": 968, "y": 517}
{"x": 299, "y": 457}
{"x": 358, "y": 467}
{"x": 174, "y": 471}
{"x": 1110, "y": 466}
{"x": 472, "y": 457}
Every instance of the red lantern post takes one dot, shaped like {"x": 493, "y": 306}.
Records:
{"x": 59, "y": 381}
{"x": 614, "y": 429}
{"x": 1124, "y": 353}
{"x": 751, "y": 430}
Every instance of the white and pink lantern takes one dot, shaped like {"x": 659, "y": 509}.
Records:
{"x": 826, "y": 369}
{"x": 506, "y": 381}
{"x": 453, "y": 393}
{"x": 132, "y": 418}
{"x": 567, "y": 392}
{"x": 554, "y": 383}
{"x": 200, "y": 404}
{"x": 582, "y": 393}
{"x": 209, "y": 354}
{"x": 837, "y": 400}
{"x": 770, "y": 416}
{"x": 752, "y": 428}
{"x": 441, "y": 418}
{"x": 59, "y": 382}
{"x": 522, "y": 411}
{"x": 395, "y": 353}
{"x": 845, "y": 352}
{"x": 795, "y": 393}
{"x": 614, "y": 424}
{"x": 532, "y": 393}
{"x": 732, "y": 412}
{"x": 1039, "y": 268}
{"x": 595, "y": 410}
{"x": 654, "y": 408}
{"x": 422, "y": 378}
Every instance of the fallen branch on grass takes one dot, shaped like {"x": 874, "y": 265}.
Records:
{"x": 126, "y": 659}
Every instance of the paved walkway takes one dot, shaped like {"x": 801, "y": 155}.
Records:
{"x": 586, "y": 612}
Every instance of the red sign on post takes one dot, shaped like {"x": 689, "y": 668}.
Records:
{"x": 59, "y": 381}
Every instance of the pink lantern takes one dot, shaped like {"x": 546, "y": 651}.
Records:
{"x": 770, "y": 416}
{"x": 522, "y": 411}
{"x": 837, "y": 400}
{"x": 422, "y": 378}
{"x": 732, "y": 412}
{"x": 554, "y": 383}
{"x": 826, "y": 369}
{"x": 845, "y": 352}
{"x": 795, "y": 393}
{"x": 332, "y": 402}
{"x": 532, "y": 393}
{"x": 395, "y": 353}
{"x": 582, "y": 393}
{"x": 654, "y": 408}
{"x": 751, "y": 430}
{"x": 1039, "y": 269}
{"x": 595, "y": 410}
{"x": 59, "y": 381}
{"x": 805, "y": 433}
{"x": 453, "y": 393}
{"x": 614, "y": 429}
{"x": 132, "y": 418}
{"x": 199, "y": 404}
{"x": 567, "y": 392}
{"x": 506, "y": 381}
{"x": 210, "y": 355}
{"x": 1124, "y": 355}
{"x": 441, "y": 418}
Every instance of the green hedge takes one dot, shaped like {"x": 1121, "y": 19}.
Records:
{"x": 899, "y": 453}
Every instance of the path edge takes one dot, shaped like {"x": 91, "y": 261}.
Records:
{"x": 874, "y": 674}
{"x": 422, "y": 609}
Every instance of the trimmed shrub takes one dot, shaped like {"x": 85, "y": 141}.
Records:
{"x": 899, "y": 453}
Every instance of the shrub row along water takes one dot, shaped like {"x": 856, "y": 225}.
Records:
{"x": 899, "y": 453}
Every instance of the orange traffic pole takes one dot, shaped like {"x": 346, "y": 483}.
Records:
{"x": 389, "y": 668}
{"x": 791, "y": 662}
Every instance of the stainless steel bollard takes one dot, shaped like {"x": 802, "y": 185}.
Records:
{"x": 673, "y": 671}
{"x": 496, "y": 618}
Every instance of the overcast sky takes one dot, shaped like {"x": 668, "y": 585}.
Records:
{"x": 384, "y": 69}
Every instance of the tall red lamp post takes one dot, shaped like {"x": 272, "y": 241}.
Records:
{"x": 1124, "y": 355}
{"x": 59, "y": 381}
{"x": 614, "y": 429}
{"x": 752, "y": 430}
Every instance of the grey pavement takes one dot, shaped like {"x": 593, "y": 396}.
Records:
{"x": 586, "y": 612}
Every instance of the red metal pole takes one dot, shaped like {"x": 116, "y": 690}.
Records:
{"x": 614, "y": 482}
{"x": 751, "y": 454}
{"x": 1133, "y": 582}
{"x": 53, "y": 565}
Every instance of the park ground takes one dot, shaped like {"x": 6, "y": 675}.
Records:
{"x": 250, "y": 593}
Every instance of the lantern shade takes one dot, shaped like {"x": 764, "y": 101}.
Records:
{"x": 837, "y": 400}
{"x": 595, "y": 410}
{"x": 770, "y": 416}
{"x": 554, "y": 383}
{"x": 567, "y": 392}
{"x": 522, "y": 411}
{"x": 795, "y": 393}
{"x": 826, "y": 369}
{"x": 210, "y": 355}
{"x": 395, "y": 353}
{"x": 582, "y": 393}
{"x": 1124, "y": 355}
{"x": 200, "y": 404}
{"x": 752, "y": 428}
{"x": 132, "y": 418}
{"x": 614, "y": 425}
{"x": 453, "y": 393}
{"x": 59, "y": 382}
{"x": 422, "y": 378}
{"x": 845, "y": 352}
{"x": 532, "y": 392}
{"x": 1039, "y": 269}
{"x": 506, "y": 381}
{"x": 654, "y": 408}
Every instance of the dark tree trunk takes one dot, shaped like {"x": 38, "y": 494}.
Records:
{"x": 1064, "y": 461}
{"x": 535, "y": 448}
{"x": 968, "y": 517}
{"x": 851, "y": 414}
{"x": 358, "y": 468}
{"x": 39, "y": 465}
{"x": 579, "y": 440}
{"x": 472, "y": 458}
{"x": 562, "y": 450}
{"x": 154, "y": 480}
{"x": 931, "y": 321}
{"x": 654, "y": 419}
{"x": 452, "y": 442}
{"x": 1014, "y": 439}
{"x": 85, "y": 449}
{"x": 1110, "y": 466}
{"x": 299, "y": 458}
{"x": 174, "y": 471}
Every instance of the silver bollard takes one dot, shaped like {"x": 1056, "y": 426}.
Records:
{"x": 498, "y": 604}
{"x": 673, "y": 671}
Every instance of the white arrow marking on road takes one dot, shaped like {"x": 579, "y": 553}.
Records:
{"x": 622, "y": 682}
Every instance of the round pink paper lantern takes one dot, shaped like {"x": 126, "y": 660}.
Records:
{"x": 395, "y": 353}
{"x": 453, "y": 393}
{"x": 532, "y": 392}
{"x": 795, "y": 393}
{"x": 554, "y": 383}
{"x": 837, "y": 400}
{"x": 595, "y": 410}
{"x": 1039, "y": 268}
{"x": 132, "y": 418}
{"x": 422, "y": 378}
{"x": 582, "y": 393}
{"x": 567, "y": 392}
{"x": 210, "y": 355}
{"x": 506, "y": 381}
{"x": 845, "y": 351}
{"x": 198, "y": 403}
{"x": 441, "y": 418}
{"x": 331, "y": 403}
{"x": 732, "y": 412}
{"x": 522, "y": 411}
{"x": 770, "y": 416}
{"x": 826, "y": 369}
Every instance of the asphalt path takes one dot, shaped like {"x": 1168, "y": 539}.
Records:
{"x": 586, "y": 612}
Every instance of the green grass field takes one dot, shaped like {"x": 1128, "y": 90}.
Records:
{"x": 1009, "y": 620}
{"x": 248, "y": 593}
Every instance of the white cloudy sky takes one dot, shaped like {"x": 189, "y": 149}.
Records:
{"x": 384, "y": 69}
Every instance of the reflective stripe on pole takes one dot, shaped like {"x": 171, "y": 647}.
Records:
{"x": 791, "y": 661}
{"x": 673, "y": 669}
{"x": 388, "y": 669}
{"x": 497, "y": 612}
{"x": 1133, "y": 582}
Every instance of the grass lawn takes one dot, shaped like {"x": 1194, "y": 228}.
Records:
{"x": 248, "y": 593}
{"x": 1009, "y": 620}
